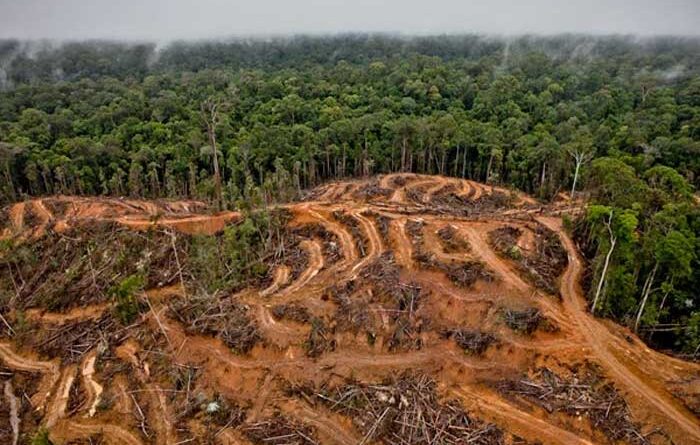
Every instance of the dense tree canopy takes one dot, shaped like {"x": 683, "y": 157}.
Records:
{"x": 617, "y": 116}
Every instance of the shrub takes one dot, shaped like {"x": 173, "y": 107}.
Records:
{"x": 128, "y": 306}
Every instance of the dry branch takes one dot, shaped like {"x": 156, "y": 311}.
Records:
{"x": 221, "y": 317}
{"x": 543, "y": 266}
{"x": 405, "y": 410}
{"x": 527, "y": 321}
{"x": 452, "y": 241}
{"x": 462, "y": 273}
{"x": 583, "y": 393}
{"x": 473, "y": 342}
{"x": 279, "y": 430}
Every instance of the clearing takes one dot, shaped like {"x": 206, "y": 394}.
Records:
{"x": 410, "y": 310}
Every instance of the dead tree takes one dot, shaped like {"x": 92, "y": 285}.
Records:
{"x": 581, "y": 155}
{"x": 211, "y": 118}
{"x": 645, "y": 295}
{"x": 613, "y": 241}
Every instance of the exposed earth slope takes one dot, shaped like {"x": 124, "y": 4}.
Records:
{"x": 420, "y": 310}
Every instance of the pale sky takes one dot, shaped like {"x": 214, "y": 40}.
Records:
{"x": 163, "y": 20}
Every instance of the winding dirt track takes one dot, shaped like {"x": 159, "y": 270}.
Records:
{"x": 258, "y": 378}
{"x": 59, "y": 404}
{"x": 504, "y": 271}
{"x": 325, "y": 424}
{"x": 603, "y": 344}
{"x": 137, "y": 215}
{"x": 314, "y": 249}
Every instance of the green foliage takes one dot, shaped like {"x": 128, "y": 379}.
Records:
{"x": 205, "y": 261}
{"x": 675, "y": 250}
{"x": 691, "y": 338}
{"x": 302, "y": 111}
{"x": 41, "y": 438}
{"x": 238, "y": 255}
{"x": 515, "y": 253}
{"x": 567, "y": 223}
{"x": 125, "y": 294}
{"x": 614, "y": 183}
{"x": 622, "y": 222}
{"x": 653, "y": 271}
{"x": 669, "y": 183}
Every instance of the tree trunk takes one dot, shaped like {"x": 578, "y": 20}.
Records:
{"x": 217, "y": 174}
{"x": 210, "y": 117}
{"x": 443, "y": 161}
{"x": 602, "y": 276}
{"x": 403, "y": 154}
{"x": 645, "y": 295}
{"x": 365, "y": 156}
{"x": 543, "y": 177}
{"x": 613, "y": 241}
{"x": 578, "y": 166}
{"x": 661, "y": 307}
{"x": 429, "y": 161}
{"x": 464, "y": 163}
{"x": 488, "y": 168}
{"x": 11, "y": 185}
{"x": 342, "y": 173}
{"x": 456, "y": 169}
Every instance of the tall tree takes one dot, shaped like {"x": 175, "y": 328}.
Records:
{"x": 580, "y": 148}
{"x": 211, "y": 110}
{"x": 611, "y": 228}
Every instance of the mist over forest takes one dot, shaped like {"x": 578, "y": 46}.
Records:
{"x": 47, "y": 60}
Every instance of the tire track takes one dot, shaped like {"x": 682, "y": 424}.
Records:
{"x": 93, "y": 388}
{"x": 13, "y": 404}
{"x": 67, "y": 430}
{"x": 57, "y": 409}
{"x": 346, "y": 241}
{"x": 402, "y": 244}
{"x": 323, "y": 422}
{"x": 50, "y": 371}
{"x": 316, "y": 262}
{"x": 375, "y": 243}
{"x": 481, "y": 247}
{"x": 281, "y": 276}
{"x": 77, "y": 314}
{"x": 519, "y": 422}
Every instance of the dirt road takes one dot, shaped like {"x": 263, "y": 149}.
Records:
{"x": 679, "y": 422}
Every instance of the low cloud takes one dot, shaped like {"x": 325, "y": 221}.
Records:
{"x": 161, "y": 20}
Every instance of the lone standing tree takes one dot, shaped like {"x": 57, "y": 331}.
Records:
{"x": 210, "y": 114}
{"x": 581, "y": 149}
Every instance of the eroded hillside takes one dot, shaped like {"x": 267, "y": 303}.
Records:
{"x": 403, "y": 309}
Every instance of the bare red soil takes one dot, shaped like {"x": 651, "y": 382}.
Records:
{"x": 402, "y": 214}
{"x": 62, "y": 212}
